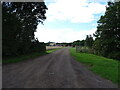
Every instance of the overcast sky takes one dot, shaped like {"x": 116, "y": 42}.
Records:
{"x": 70, "y": 20}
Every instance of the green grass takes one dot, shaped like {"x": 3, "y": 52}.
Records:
{"x": 26, "y": 57}
{"x": 52, "y": 50}
{"x": 21, "y": 58}
{"x": 104, "y": 67}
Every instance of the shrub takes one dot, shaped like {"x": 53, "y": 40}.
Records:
{"x": 84, "y": 49}
{"x": 114, "y": 55}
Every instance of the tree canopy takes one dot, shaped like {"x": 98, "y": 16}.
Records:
{"x": 19, "y": 22}
{"x": 107, "y": 42}
{"x": 89, "y": 41}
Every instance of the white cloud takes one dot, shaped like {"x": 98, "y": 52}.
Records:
{"x": 62, "y": 35}
{"x": 77, "y": 11}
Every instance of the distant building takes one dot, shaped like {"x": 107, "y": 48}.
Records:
{"x": 52, "y": 44}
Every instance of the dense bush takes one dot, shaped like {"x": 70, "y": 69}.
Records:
{"x": 84, "y": 49}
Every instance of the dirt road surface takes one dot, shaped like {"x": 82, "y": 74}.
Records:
{"x": 55, "y": 70}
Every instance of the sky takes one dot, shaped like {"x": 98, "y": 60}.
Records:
{"x": 70, "y": 20}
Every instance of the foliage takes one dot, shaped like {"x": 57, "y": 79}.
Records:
{"x": 22, "y": 58}
{"x": 107, "y": 68}
{"x": 84, "y": 46}
{"x": 107, "y": 42}
{"x": 27, "y": 57}
{"x": 89, "y": 41}
{"x": 85, "y": 50}
{"x": 78, "y": 43}
{"x": 20, "y": 20}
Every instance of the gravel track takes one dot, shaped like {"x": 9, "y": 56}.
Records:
{"x": 55, "y": 70}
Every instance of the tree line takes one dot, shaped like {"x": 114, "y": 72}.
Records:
{"x": 107, "y": 36}
{"x": 19, "y": 22}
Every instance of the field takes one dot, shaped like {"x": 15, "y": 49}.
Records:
{"x": 53, "y": 47}
{"x": 106, "y": 68}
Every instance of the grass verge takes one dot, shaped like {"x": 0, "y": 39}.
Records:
{"x": 21, "y": 58}
{"x": 26, "y": 57}
{"x": 106, "y": 68}
{"x": 52, "y": 50}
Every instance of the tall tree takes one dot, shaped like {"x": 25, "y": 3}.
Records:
{"x": 89, "y": 41}
{"x": 20, "y": 20}
{"x": 107, "y": 42}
